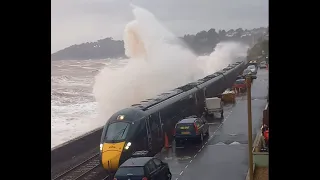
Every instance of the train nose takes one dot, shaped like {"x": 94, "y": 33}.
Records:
{"x": 110, "y": 160}
{"x": 111, "y": 153}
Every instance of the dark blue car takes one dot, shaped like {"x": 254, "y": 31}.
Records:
{"x": 191, "y": 128}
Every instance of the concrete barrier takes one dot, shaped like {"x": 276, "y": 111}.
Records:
{"x": 76, "y": 147}
{"x": 260, "y": 159}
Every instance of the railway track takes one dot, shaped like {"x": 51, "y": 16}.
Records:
{"x": 81, "y": 171}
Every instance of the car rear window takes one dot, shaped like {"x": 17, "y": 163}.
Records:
{"x": 251, "y": 67}
{"x": 134, "y": 171}
{"x": 240, "y": 81}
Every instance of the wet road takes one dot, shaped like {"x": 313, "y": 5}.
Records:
{"x": 223, "y": 155}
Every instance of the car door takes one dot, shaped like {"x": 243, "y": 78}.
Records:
{"x": 154, "y": 174}
{"x": 162, "y": 174}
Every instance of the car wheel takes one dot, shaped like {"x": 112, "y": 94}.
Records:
{"x": 169, "y": 175}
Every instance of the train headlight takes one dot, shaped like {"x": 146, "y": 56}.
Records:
{"x": 101, "y": 146}
{"x": 127, "y": 146}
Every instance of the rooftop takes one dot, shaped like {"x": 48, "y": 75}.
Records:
{"x": 138, "y": 161}
{"x": 188, "y": 120}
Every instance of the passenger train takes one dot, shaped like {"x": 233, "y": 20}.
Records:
{"x": 143, "y": 126}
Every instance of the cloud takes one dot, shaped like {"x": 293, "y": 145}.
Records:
{"x": 78, "y": 21}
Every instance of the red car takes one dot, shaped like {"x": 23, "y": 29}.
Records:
{"x": 240, "y": 85}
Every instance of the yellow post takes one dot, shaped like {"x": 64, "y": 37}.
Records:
{"x": 248, "y": 81}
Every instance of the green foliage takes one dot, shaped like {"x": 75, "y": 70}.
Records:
{"x": 259, "y": 49}
{"x": 201, "y": 43}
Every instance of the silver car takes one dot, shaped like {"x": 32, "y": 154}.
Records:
{"x": 263, "y": 65}
{"x": 253, "y": 69}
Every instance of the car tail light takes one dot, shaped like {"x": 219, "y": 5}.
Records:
{"x": 144, "y": 178}
{"x": 196, "y": 128}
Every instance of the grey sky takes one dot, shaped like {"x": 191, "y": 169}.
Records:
{"x": 78, "y": 21}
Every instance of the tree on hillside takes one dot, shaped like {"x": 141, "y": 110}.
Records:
{"x": 201, "y": 43}
{"x": 259, "y": 49}
{"x": 265, "y": 46}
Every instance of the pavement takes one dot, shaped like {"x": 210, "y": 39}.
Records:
{"x": 224, "y": 154}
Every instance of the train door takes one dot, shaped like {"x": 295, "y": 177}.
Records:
{"x": 191, "y": 104}
{"x": 161, "y": 124}
{"x": 224, "y": 84}
{"x": 201, "y": 97}
{"x": 155, "y": 125}
{"x": 149, "y": 135}
{"x": 196, "y": 99}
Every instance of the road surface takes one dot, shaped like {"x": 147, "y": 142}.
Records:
{"x": 223, "y": 155}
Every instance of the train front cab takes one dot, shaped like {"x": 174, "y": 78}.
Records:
{"x": 116, "y": 144}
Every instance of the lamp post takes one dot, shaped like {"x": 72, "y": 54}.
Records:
{"x": 248, "y": 81}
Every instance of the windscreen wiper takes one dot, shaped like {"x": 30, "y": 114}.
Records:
{"x": 121, "y": 132}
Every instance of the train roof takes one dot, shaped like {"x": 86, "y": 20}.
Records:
{"x": 145, "y": 104}
{"x": 128, "y": 114}
{"x": 136, "y": 161}
{"x": 148, "y": 103}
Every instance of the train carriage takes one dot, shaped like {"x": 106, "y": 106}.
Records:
{"x": 143, "y": 125}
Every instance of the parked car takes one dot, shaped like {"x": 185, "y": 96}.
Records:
{"x": 263, "y": 65}
{"x": 253, "y": 69}
{"x": 143, "y": 168}
{"x": 240, "y": 85}
{"x": 192, "y": 128}
{"x": 247, "y": 72}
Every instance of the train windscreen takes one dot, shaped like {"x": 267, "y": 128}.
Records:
{"x": 117, "y": 131}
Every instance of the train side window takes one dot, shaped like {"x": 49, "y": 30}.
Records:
{"x": 151, "y": 166}
{"x": 168, "y": 112}
{"x": 154, "y": 126}
{"x": 157, "y": 162}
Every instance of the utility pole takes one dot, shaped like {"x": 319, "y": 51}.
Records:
{"x": 248, "y": 81}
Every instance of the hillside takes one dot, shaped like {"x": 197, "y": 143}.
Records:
{"x": 201, "y": 43}
{"x": 260, "y": 50}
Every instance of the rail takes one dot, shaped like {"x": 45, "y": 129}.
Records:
{"x": 107, "y": 177}
{"x": 80, "y": 170}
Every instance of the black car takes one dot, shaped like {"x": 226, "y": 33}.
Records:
{"x": 143, "y": 168}
{"x": 191, "y": 128}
